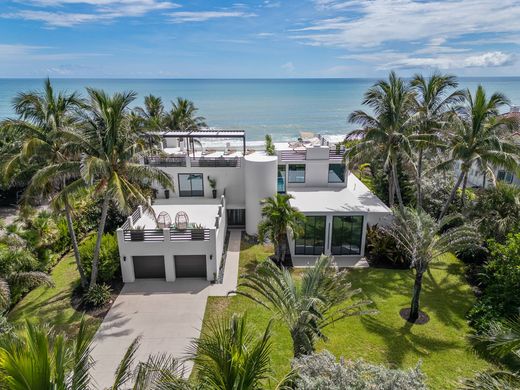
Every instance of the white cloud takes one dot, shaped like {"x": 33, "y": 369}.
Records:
{"x": 482, "y": 60}
{"x": 288, "y": 67}
{"x": 17, "y": 53}
{"x": 102, "y": 11}
{"x": 202, "y": 16}
{"x": 372, "y": 23}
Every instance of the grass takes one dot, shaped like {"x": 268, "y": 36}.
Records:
{"x": 441, "y": 345}
{"x": 52, "y": 305}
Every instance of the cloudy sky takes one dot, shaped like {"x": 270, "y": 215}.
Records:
{"x": 267, "y": 38}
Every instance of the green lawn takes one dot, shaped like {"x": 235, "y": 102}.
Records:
{"x": 441, "y": 344}
{"x": 52, "y": 305}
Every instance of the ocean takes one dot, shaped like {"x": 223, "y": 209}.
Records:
{"x": 280, "y": 107}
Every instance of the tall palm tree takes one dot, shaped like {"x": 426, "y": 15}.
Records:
{"x": 386, "y": 133}
{"x": 230, "y": 355}
{"x": 322, "y": 298}
{"x": 424, "y": 240}
{"x": 279, "y": 217}
{"x": 183, "y": 116}
{"x": 432, "y": 103}
{"x": 479, "y": 137}
{"x": 45, "y": 124}
{"x": 502, "y": 341}
{"x": 110, "y": 159}
{"x": 153, "y": 112}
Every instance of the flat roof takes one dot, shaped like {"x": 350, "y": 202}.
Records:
{"x": 203, "y": 214}
{"x": 355, "y": 197}
{"x": 205, "y": 133}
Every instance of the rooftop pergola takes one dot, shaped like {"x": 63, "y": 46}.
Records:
{"x": 195, "y": 134}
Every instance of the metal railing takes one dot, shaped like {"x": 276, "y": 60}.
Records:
{"x": 165, "y": 161}
{"x": 216, "y": 162}
{"x": 294, "y": 155}
{"x": 189, "y": 235}
{"x": 136, "y": 214}
{"x": 143, "y": 235}
{"x": 336, "y": 154}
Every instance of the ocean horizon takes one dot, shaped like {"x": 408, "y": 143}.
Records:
{"x": 280, "y": 107}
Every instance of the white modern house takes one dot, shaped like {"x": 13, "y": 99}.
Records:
{"x": 182, "y": 234}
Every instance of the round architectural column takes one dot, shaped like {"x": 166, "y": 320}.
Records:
{"x": 260, "y": 183}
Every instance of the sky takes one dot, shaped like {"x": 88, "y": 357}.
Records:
{"x": 257, "y": 39}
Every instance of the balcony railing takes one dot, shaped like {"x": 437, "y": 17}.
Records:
{"x": 215, "y": 162}
{"x": 189, "y": 234}
{"x": 294, "y": 155}
{"x": 165, "y": 161}
{"x": 157, "y": 235}
{"x": 144, "y": 235}
{"x": 336, "y": 154}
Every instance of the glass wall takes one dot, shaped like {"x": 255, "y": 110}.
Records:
{"x": 336, "y": 173}
{"x": 191, "y": 184}
{"x": 312, "y": 239}
{"x": 296, "y": 173}
{"x": 281, "y": 179}
{"x": 347, "y": 233}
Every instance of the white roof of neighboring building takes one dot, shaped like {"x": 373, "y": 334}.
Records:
{"x": 355, "y": 197}
{"x": 203, "y": 214}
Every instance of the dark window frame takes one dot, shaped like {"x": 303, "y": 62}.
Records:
{"x": 317, "y": 250}
{"x": 342, "y": 174}
{"x": 184, "y": 193}
{"x": 289, "y": 173}
{"x": 346, "y": 230}
{"x": 284, "y": 178}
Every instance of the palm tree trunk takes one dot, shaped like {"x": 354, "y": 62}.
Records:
{"x": 414, "y": 308}
{"x": 484, "y": 177}
{"x": 97, "y": 249}
{"x": 464, "y": 184}
{"x": 452, "y": 195}
{"x": 301, "y": 345}
{"x": 397, "y": 188}
{"x": 419, "y": 179}
{"x": 391, "y": 189}
{"x": 74, "y": 240}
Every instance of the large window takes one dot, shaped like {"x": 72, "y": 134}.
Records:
{"x": 281, "y": 179}
{"x": 505, "y": 176}
{"x": 312, "y": 239}
{"x": 336, "y": 173}
{"x": 296, "y": 173}
{"x": 346, "y": 235}
{"x": 191, "y": 184}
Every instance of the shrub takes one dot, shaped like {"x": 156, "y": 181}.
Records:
{"x": 108, "y": 257}
{"x": 382, "y": 249}
{"x": 97, "y": 296}
{"x": 500, "y": 278}
{"x": 321, "y": 371}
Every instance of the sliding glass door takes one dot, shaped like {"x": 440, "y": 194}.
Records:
{"x": 312, "y": 239}
{"x": 347, "y": 233}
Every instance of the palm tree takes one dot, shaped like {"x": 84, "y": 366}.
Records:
{"x": 478, "y": 136}
{"x": 432, "y": 103}
{"x": 278, "y": 218}
{"x": 45, "y": 124}
{"x": 153, "y": 112}
{"x": 230, "y": 355}
{"x": 424, "y": 240}
{"x": 502, "y": 341}
{"x": 385, "y": 134}
{"x": 183, "y": 116}
{"x": 307, "y": 307}
{"x": 110, "y": 162}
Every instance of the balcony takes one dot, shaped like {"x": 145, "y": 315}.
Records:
{"x": 216, "y": 162}
{"x": 165, "y": 161}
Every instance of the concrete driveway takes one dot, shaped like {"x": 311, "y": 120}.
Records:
{"x": 166, "y": 315}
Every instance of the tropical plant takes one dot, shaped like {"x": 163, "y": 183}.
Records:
{"x": 425, "y": 240}
{"x": 183, "y": 116}
{"x": 43, "y": 359}
{"x": 269, "y": 146}
{"x": 479, "y": 137}
{"x": 279, "y": 217}
{"x": 322, "y": 371}
{"x": 109, "y": 264}
{"x": 231, "y": 355}
{"x": 110, "y": 159}
{"x": 153, "y": 112}
{"x": 502, "y": 341}
{"x": 322, "y": 298}
{"x": 45, "y": 129}
{"x": 387, "y": 132}
{"x": 97, "y": 296}
{"x": 496, "y": 211}
{"x": 382, "y": 249}
{"x": 433, "y": 101}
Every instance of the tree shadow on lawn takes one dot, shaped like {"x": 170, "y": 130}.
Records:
{"x": 444, "y": 294}
{"x": 402, "y": 341}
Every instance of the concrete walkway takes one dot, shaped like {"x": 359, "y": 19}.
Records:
{"x": 167, "y": 316}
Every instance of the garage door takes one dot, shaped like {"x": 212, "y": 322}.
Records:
{"x": 190, "y": 266}
{"x": 149, "y": 267}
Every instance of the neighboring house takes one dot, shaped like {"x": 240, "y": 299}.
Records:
{"x": 337, "y": 205}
